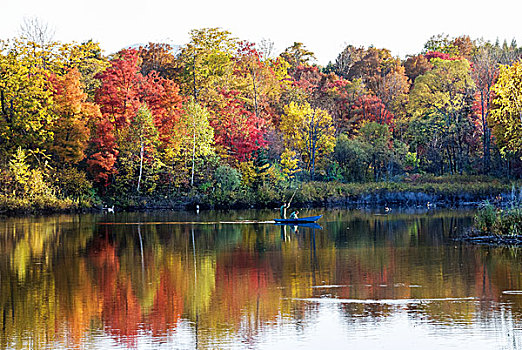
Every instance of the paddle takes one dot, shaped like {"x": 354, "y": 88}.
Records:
{"x": 287, "y": 205}
{"x": 290, "y": 201}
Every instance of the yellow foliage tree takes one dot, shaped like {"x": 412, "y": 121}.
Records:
{"x": 506, "y": 116}
{"x": 25, "y": 98}
{"x": 248, "y": 172}
{"x": 289, "y": 163}
{"x": 308, "y": 131}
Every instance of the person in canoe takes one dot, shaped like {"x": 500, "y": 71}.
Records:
{"x": 283, "y": 210}
{"x": 294, "y": 215}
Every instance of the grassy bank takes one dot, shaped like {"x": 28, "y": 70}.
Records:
{"x": 412, "y": 191}
{"x": 11, "y": 205}
{"x": 442, "y": 191}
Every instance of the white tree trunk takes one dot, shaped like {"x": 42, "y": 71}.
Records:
{"x": 141, "y": 165}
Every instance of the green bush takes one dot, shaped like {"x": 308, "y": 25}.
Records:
{"x": 485, "y": 217}
{"x": 267, "y": 195}
{"x": 509, "y": 222}
{"x": 227, "y": 178}
{"x": 72, "y": 183}
{"x": 352, "y": 157}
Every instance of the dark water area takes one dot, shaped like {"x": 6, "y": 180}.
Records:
{"x": 233, "y": 280}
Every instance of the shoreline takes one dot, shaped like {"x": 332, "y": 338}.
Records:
{"x": 444, "y": 192}
{"x": 395, "y": 199}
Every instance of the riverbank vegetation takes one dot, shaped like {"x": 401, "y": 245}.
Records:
{"x": 492, "y": 219}
{"x": 497, "y": 224}
{"x": 224, "y": 122}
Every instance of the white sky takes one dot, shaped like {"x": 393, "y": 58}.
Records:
{"x": 325, "y": 26}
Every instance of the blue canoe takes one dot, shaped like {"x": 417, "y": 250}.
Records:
{"x": 299, "y": 220}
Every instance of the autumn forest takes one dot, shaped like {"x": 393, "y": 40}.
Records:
{"x": 220, "y": 120}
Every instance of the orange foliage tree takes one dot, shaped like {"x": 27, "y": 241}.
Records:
{"x": 71, "y": 128}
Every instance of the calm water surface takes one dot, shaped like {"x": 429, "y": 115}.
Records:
{"x": 222, "y": 280}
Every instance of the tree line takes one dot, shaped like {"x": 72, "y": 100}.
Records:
{"x": 220, "y": 113}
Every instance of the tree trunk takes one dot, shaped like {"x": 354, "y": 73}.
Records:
{"x": 256, "y": 109}
{"x": 450, "y": 162}
{"x": 193, "y": 152}
{"x": 313, "y": 160}
{"x": 312, "y": 136}
{"x": 194, "y": 78}
{"x": 141, "y": 165}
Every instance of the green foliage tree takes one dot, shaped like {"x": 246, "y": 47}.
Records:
{"x": 228, "y": 179}
{"x": 441, "y": 43}
{"x": 87, "y": 58}
{"x": 444, "y": 95}
{"x": 137, "y": 144}
{"x": 353, "y": 158}
{"x": 297, "y": 55}
{"x": 377, "y": 142}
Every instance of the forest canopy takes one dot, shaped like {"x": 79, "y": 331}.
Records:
{"x": 221, "y": 113}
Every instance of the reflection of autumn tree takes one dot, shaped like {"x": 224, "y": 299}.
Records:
{"x": 121, "y": 311}
{"x": 33, "y": 299}
{"x": 242, "y": 281}
{"x": 79, "y": 302}
{"x": 168, "y": 306}
{"x": 300, "y": 267}
{"x": 501, "y": 271}
{"x": 27, "y": 306}
{"x": 380, "y": 270}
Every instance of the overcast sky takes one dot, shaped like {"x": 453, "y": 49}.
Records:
{"x": 325, "y": 27}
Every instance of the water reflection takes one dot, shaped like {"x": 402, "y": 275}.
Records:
{"x": 180, "y": 280}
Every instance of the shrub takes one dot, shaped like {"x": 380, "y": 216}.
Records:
{"x": 353, "y": 158}
{"x": 267, "y": 195}
{"x": 509, "y": 222}
{"x": 485, "y": 217}
{"x": 227, "y": 178}
{"x": 72, "y": 183}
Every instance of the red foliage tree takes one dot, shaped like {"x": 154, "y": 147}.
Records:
{"x": 370, "y": 108}
{"x": 238, "y": 131}
{"x": 443, "y": 56}
{"x": 340, "y": 96}
{"x": 124, "y": 89}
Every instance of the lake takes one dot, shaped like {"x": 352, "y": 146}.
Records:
{"x": 364, "y": 279}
